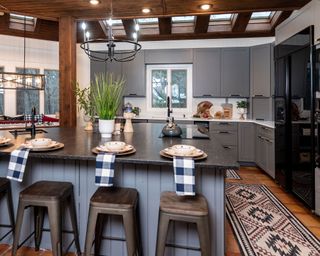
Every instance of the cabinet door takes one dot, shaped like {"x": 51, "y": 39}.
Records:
{"x": 270, "y": 168}
{"x": 235, "y": 71}
{"x": 169, "y": 56}
{"x": 246, "y": 142}
{"x": 114, "y": 68}
{"x": 260, "y": 66}
{"x": 134, "y": 74}
{"x": 206, "y": 72}
{"x": 97, "y": 68}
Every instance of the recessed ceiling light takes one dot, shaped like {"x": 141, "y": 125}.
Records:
{"x": 205, "y": 7}
{"x": 146, "y": 10}
{"x": 94, "y": 2}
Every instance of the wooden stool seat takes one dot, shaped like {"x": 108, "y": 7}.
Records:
{"x": 190, "y": 209}
{"x": 47, "y": 190}
{"x": 170, "y": 202}
{"x": 5, "y": 191}
{"x": 53, "y": 196}
{"x": 113, "y": 201}
{"x": 113, "y": 197}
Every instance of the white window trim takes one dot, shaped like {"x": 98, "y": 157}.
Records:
{"x": 162, "y": 111}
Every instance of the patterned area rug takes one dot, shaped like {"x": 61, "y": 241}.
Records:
{"x": 264, "y": 226}
{"x": 232, "y": 175}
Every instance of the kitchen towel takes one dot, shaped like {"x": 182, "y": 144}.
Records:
{"x": 17, "y": 164}
{"x": 104, "y": 169}
{"x": 184, "y": 176}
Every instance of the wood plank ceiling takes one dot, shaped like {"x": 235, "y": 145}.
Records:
{"x": 48, "y": 13}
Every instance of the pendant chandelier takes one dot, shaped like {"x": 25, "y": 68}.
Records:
{"x": 22, "y": 81}
{"x": 110, "y": 46}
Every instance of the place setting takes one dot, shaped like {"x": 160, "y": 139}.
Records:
{"x": 118, "y": 148}
{"x": 183, "y": 151}
{"x": 42, "y": 144}
{"x": 4, "y": 141}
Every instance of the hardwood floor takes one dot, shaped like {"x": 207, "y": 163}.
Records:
{"x": 249, "y": 175}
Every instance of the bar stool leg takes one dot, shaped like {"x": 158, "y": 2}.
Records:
{"x": 38, "y": 225}
{"x": 129, "y": 228}
{"x": 73, "y": 216}
{"x": 92, "y": 220}
{"x": 204, "y": 235}
{"x": 102, "y": 219}
{"x": 10, "y": 208}
{"x": 163, "y": 226}
{"x": 18, "y": 226}
{"x": 54, "y": 213}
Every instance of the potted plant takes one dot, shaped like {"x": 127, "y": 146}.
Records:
{"x": 107, "y": 97}
{"x": 242, "y": 107}
{"x": 85, "y": 103}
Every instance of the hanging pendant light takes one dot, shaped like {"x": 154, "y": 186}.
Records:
{"x": 22, "y": 81}
{"x": 109, "y": 51}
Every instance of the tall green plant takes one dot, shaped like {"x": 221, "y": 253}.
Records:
{"x": 107, "y": 95}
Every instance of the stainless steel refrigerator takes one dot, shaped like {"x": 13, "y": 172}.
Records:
{"x": 296, "y": 115}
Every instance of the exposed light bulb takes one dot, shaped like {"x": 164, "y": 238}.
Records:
{"x": 135, "y": 35}
{"x": 9, "y": 78}
{"x": 38, "y": 81}
{"x": 110, "y": 22}
{"x": 137, "y": 27}
{"x": 146, "y": 10}
{"x": 205, "y": 7}
{"x": 87, "y": 35}
{"x": 83, "y": 25}
{"x": 29, "y": 80}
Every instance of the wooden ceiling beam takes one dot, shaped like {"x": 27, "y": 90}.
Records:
{"x": 165, "y": 25}
{"x": 279, "y": 17}
{"x": 128, "y": 25}
{"x": 241, "y": 22}
{"x": 202, "y": 24}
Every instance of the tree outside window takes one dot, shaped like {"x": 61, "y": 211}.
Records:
{"x": 27, "y": 99}
{"x": 51, "y": 93}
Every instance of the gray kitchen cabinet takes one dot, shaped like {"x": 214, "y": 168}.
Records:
{"x": 270, "y": 148}
{"x": 168, "y": 56}
{"x": 206, "y": 72}
{"x": 97, "y": 68}
{"x": 260, "y": 66}
{"x": 115, "y": 68}
{"x": 134, "y": 74}
{"x": 235, "y": 72}
{"x": 262, "y": 109}
{"x": 246, "y": 142}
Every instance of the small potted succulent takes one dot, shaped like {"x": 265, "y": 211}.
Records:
{"x": 242, "y": 107}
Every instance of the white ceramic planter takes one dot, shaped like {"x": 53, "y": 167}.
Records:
{"x": 106, "y": 128}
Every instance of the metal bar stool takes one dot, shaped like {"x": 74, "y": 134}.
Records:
{"x": 113, "y": 201}
{"x": 192, "y": 209}
{"x": 50, "y": 195}
{"x": 5, "y": 190}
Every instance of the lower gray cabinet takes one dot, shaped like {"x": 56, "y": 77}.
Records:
{"x": 246, "y": 142}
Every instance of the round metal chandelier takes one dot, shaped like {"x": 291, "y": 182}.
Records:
{"x": 110, "y": 45}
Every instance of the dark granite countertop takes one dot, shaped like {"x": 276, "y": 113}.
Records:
{"x": 79, "y": 143}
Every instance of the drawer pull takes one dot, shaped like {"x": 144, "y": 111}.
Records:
{"x": 224, "y": 123}
{"x": 318, "y": 39}
{"x": 132, "y": 94}
{"x": 258, "y": 95}
{"x": 224, "y": 132}
{"x": 206, "y": 95}
{"x": 226, "y": 147}
{"x": 235, "y": 95}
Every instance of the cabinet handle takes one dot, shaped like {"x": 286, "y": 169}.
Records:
{"x": 235, "y": 95}
{"x": 206, "y": 95}
{"x": 318, "y": 39}
{"x": 267, "y": 140}
{"x": 258, "y": 95}
{"x": 224, "y": 123}
{"x": 132, "y": 94}
{"x": 224, "y": 132}
{"x": 264, "y": 128}
{"x": 226, "y": 147}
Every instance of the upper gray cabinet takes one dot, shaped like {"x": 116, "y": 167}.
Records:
{"x": 260, "y": 70}
{"x": 235, "y": 63}
{"x": 168, "y": 56}
{"x": 206, "y": 72}
{"x": 134, "y": 74}
{"x": 97, "y": 68}
{"x": 115, "y": 68}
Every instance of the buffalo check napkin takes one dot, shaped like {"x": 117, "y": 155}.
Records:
{"x": 104, "y": 169}
{"x": 184, "y": 176}
{"x": 17, "y": 164}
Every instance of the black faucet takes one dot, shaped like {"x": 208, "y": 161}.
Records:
{"x": 168, "y": 106}
{"x": 33, "y": 126}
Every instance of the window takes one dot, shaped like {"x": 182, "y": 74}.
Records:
{"x": 51, "y": 92}
{"x": 183, "y": 19}
{"x": 261, "y": 15}
{"x": 26, "y": 99}
{"x": 18, "y": 22}
{"x": 1, "y": 96}
{"x": 172, "y": 81}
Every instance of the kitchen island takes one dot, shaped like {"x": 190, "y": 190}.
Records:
{"x": 145, "y": 170}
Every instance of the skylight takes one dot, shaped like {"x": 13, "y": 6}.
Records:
{"x": 147, "y": 21}
{"x": 20, "y": 19}
{"x": 115, "y": 22}
{"x": 221, "y": 17}
{"x": 261, "y": 15}
{"x": 183, "y": 19}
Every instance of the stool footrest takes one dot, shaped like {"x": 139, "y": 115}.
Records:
{"x": 184, "y": 247}
{"x": 113, "y": 238}
{"x": 6, "y": 234}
